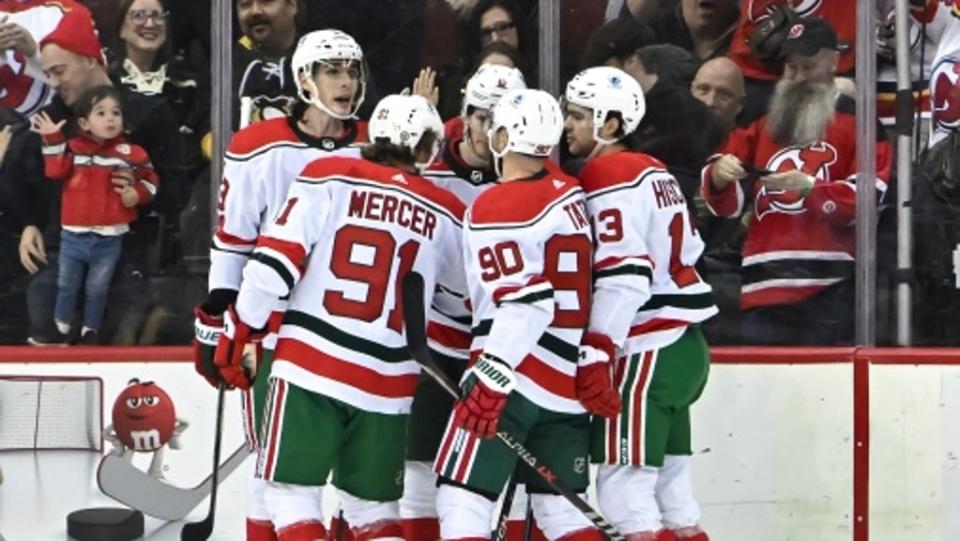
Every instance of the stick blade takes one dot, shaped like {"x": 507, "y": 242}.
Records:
{"x": 413, "y": 311}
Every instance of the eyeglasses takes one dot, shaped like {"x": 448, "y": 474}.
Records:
{"x": 140, "y": 16}
{"x": 499, "y": 27}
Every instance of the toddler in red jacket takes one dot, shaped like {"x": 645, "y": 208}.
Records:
{"x": 106, "y": 178}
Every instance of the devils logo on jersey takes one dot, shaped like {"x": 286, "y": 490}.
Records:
{"x": 945, "y": 90}
{"x": 814, "y": 159}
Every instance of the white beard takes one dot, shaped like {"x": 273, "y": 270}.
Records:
{"x": 799, "y": 113}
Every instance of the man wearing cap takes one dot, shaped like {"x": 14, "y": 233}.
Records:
{"x": 797, "y": 165}
{"x": 73, "y": 62}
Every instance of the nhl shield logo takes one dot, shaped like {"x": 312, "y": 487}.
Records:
{"x": 476, "y": 176}
{"x": 328, "y": 144}
{"x": 123, "y": 148}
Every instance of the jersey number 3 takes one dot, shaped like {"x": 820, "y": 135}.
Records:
{"x": 366, "y": 255}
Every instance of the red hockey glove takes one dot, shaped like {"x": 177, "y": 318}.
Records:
{"x": 485, "y": 391}
{"x": 594, "y": 388}
{"x": 238, "y": 351}
{"x": 206, "y": 333}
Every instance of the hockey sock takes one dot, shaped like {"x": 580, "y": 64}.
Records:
{"x": 421, "y": 529}
{"x": 516, "y": 529}
{"x": 260, "y": 530}
{"x": 386, "y": 530}
{"x": 308, "y": 530}
{"x": 586, "y": 534}
{"x": 340, "y": 529}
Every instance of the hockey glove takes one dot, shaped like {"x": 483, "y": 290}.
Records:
{"x": 594, "y": 389}
{"x": 238, "y": 351}
{"x": 206, "y": 334}
{"x": 485, "y": 390}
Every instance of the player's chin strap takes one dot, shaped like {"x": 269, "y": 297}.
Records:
{"x": 497, "y": 156}
{"x": 601, "y": 142}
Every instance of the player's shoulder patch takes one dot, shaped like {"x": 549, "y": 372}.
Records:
{"x": 615, "y": 169}
{"x": 257, "y": 137}
{"x": 522, "y": 201}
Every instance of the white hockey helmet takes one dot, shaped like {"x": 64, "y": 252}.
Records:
{"x": 488, "y": 84}
{"x": 325, "y": 46}
{"x": 607, "y": 90}
{"x": 532, "y": 119}
{"x": 403, "y": 120}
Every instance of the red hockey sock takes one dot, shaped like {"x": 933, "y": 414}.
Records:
{"x": 336, "y": 525}
{"x": 308, "y": 530}
{"x": 378, "y": 530}
{"x": 515, "y": 529}
{"x": 420, "y": 529}
{"x": 586, "y": 534}
{"x": 694, "y": 533}
{"x": 260, "y": 530}
{"x": 660, "y": 535}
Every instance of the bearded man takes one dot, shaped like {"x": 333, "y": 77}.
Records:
{"x": 797, "y": 165}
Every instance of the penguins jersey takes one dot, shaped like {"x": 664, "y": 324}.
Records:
{"x": 448, "y": 328}
{"x": 349, "y": 231}
{"x": 527, "y": 249}
{"x": 646, "y": 290}
{"x": 261, "y": 163}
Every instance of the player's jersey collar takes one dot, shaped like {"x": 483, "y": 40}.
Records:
{"x": 463, "y": 170}
{"x": 348, "y": 137}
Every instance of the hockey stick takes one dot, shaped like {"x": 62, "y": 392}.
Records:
{"x": 415, "y": 326}
{"x": 130, "y": 486}
{"x": 200, "y": 531}
{"x": 500, "y": 534}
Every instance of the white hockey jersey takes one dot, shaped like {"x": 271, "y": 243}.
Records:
{"x": 528, "y": 249}
{"x": 261, "y": 163}
{"x": 943, "y": 24}
{"x": 646, "y": 290}
{"x": 349, "y": 231}
{"x": 449, "y": 318}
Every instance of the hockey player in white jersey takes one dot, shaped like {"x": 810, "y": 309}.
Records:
{"x": 648, "y": 301}
{"x": 342, "y": 380}
{"x": 261, "y": 163}
{"x": 464, "y": 167}
{"x": 527, "y": 247}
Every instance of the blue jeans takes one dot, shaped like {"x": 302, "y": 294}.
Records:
{"x": 95, "y": 254}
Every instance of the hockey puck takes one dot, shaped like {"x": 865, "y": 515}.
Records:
{"x": 105, "y": 524}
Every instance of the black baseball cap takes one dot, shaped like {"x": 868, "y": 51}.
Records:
{"x": 807, "y": 36}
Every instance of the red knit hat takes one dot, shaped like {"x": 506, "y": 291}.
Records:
{"x": 76, "y": 33}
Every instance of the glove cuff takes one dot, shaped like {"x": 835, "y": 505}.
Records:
{"x": 206, "y": 328}
{"x": 495, "y": 374}
{"x": 597, "y": 341}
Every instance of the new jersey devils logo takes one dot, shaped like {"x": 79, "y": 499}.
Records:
{"x": 945, "y": 89}
{"x": 814, "y": 159}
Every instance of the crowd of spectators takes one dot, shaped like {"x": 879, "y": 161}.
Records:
{"x": 765, "y": 154}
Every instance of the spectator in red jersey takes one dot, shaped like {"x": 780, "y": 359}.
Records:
{"x": 24, "y": 24}
{"x": 798, "y": 165}
{"x": 97, "y": 204}
{"x": 761, "y": 74}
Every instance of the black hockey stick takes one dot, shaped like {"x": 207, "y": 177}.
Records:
{"x": 415, "y": 326}
{"x": 200, "y": 531}
{"x": 500, "y": 534}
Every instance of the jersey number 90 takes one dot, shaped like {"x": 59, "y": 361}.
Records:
{"x": 566, "y": 264}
